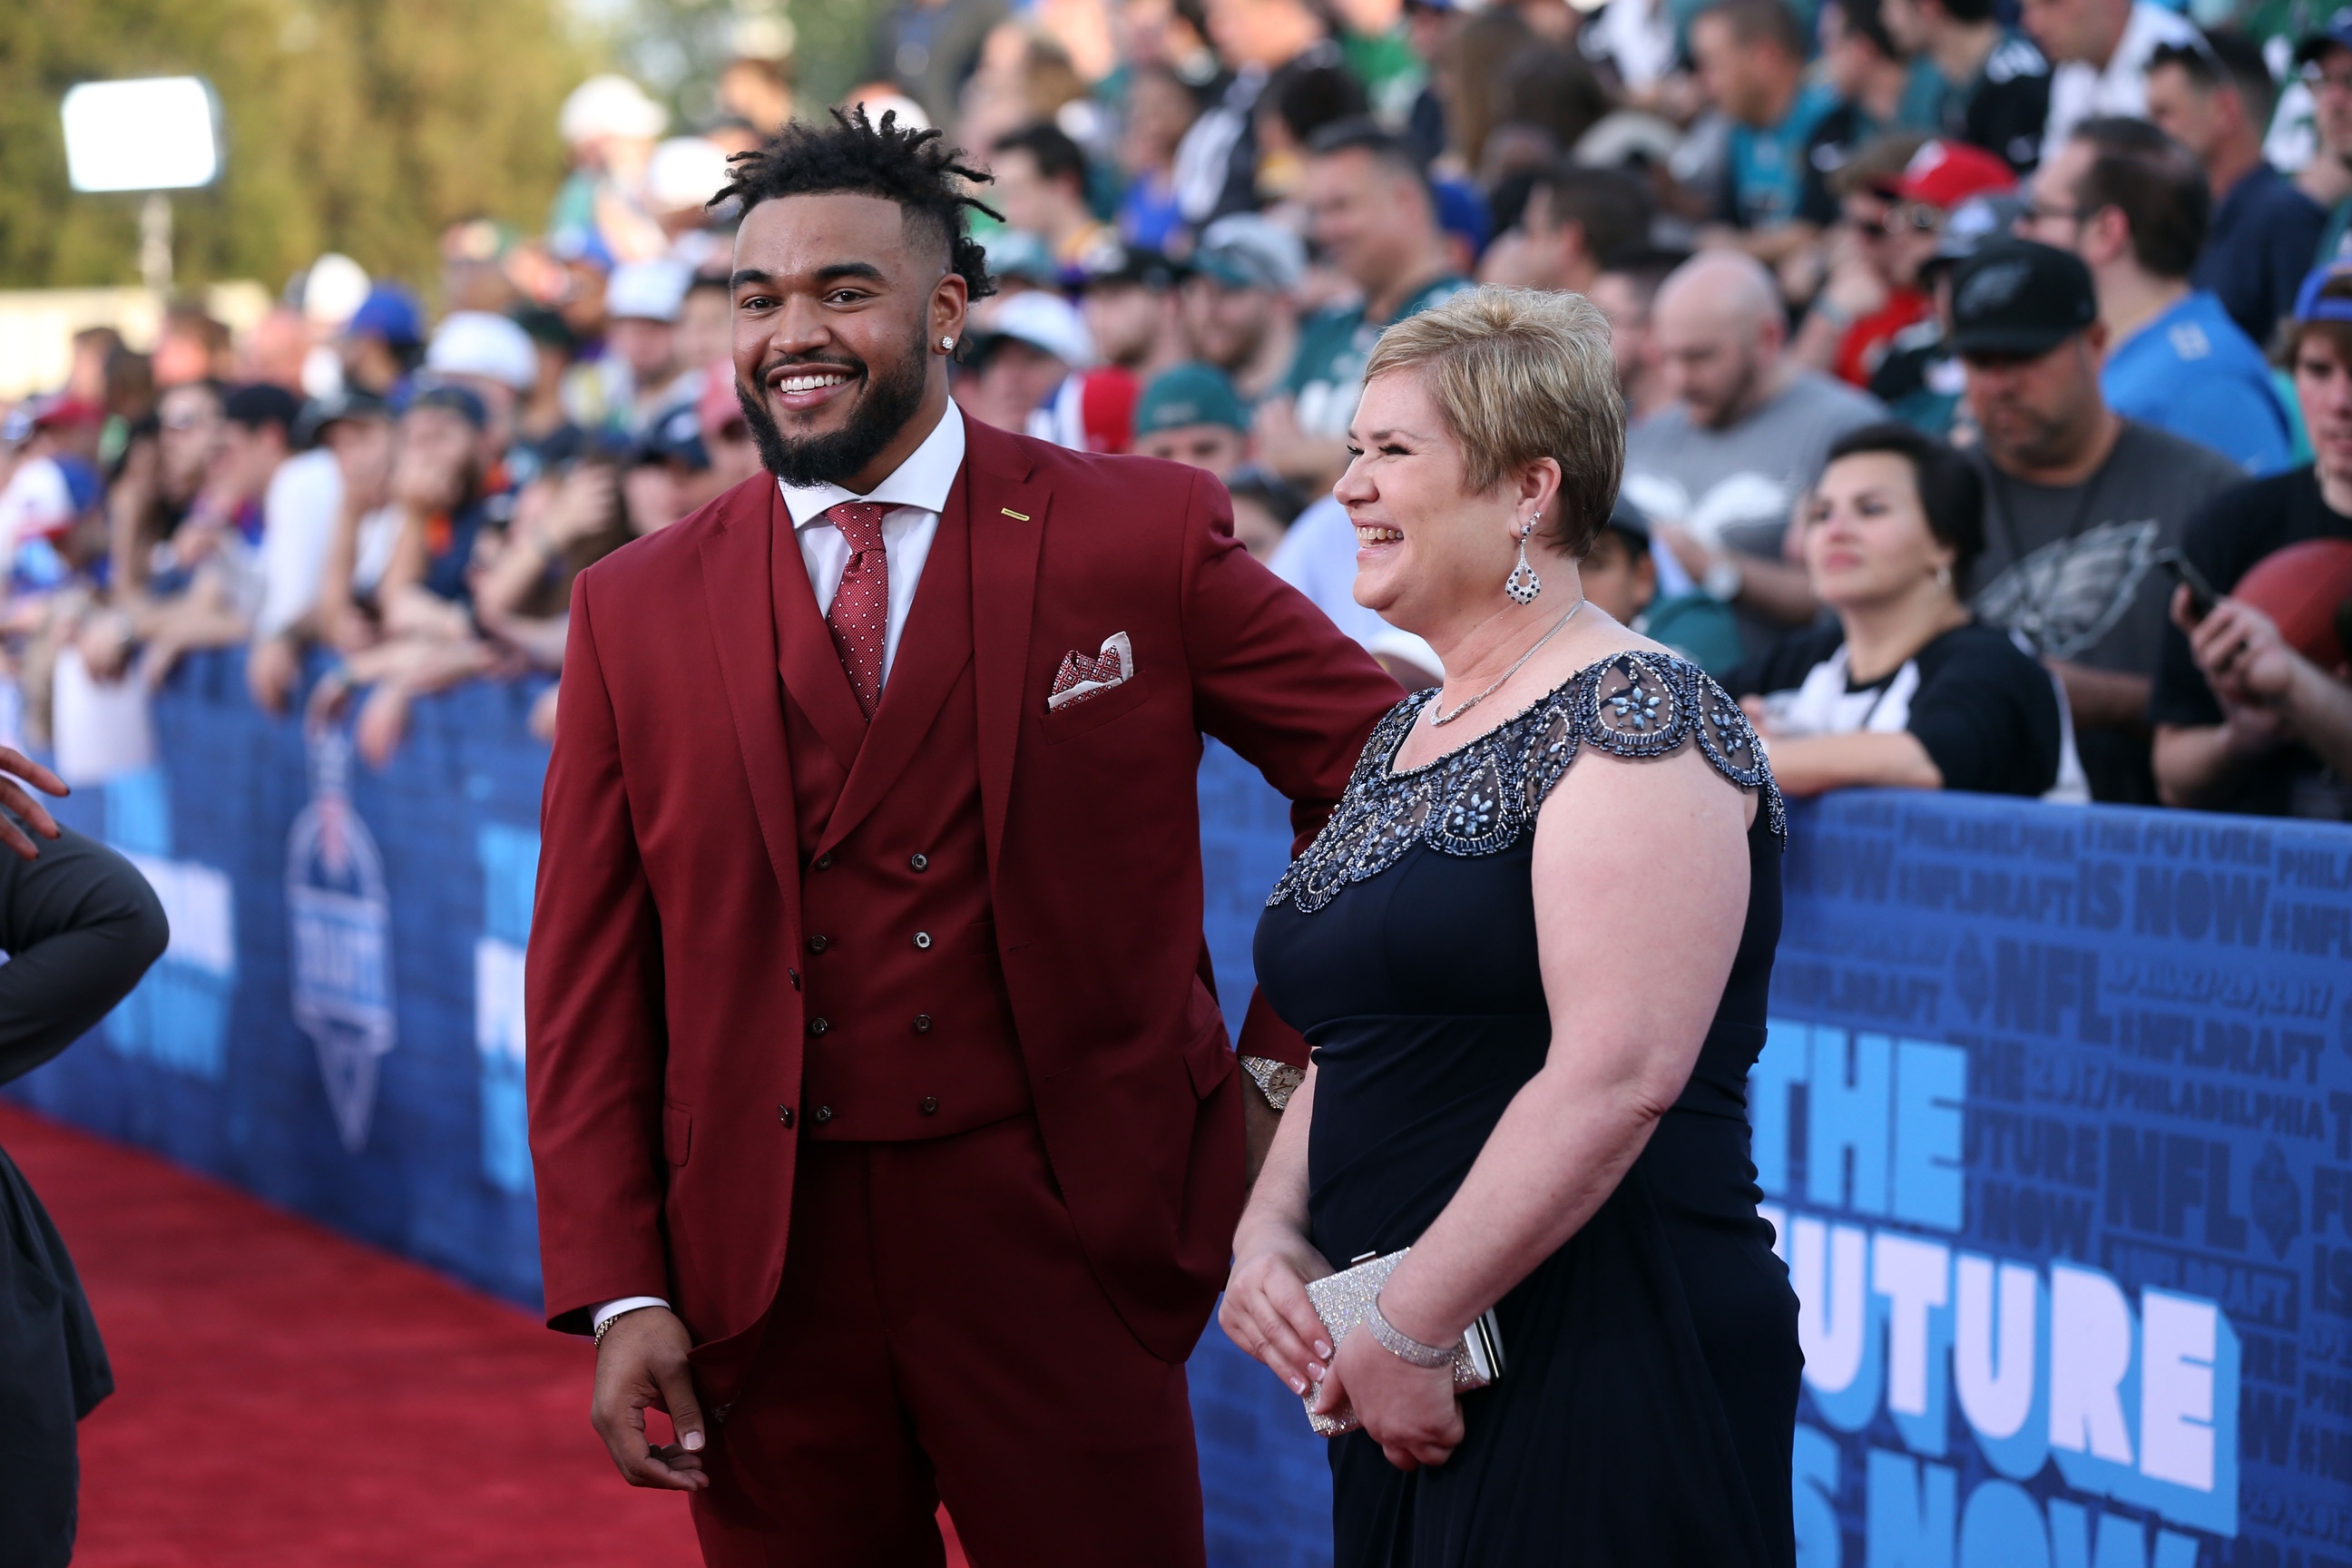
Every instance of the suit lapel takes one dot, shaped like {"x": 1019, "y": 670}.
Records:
{"x": 1007, "y": 509}
{"x": 809, "y": 662}
{"x": 743, "y": 626}
{"x": 933, "y": 649}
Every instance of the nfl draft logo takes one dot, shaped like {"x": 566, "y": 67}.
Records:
{"x": 342, "y": 924}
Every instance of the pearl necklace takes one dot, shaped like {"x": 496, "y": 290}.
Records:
{"x": 1437, "y": 719}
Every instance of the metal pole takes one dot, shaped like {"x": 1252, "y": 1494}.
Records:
{"x": 156, "y": 242}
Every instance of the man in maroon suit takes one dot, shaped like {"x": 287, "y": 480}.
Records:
{"x": 870, "y": 916}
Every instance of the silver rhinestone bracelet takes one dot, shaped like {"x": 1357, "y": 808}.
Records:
{"x": 1401, "y": 1345}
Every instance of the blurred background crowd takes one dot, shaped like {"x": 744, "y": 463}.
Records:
{"x": 1991, "y": 372}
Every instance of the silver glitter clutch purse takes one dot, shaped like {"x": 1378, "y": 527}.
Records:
{"x": 1345, "y": 1300}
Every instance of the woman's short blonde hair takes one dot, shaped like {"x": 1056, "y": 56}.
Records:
{"x": 1520, "y": 374}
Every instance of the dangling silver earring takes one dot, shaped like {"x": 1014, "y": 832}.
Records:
{"x": 1523, "y": 585}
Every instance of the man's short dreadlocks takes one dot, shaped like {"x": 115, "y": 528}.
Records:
{"x": 914, "y": 168}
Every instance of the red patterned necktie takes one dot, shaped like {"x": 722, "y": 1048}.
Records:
{"x": 860, "y": 617}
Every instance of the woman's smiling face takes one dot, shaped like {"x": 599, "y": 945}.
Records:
{"x": 1426, "y": 549}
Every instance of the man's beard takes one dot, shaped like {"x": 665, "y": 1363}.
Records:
{"x": 888, "y": 401}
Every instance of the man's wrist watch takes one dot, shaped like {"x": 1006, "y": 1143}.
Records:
{"x": 1724, "y": 579}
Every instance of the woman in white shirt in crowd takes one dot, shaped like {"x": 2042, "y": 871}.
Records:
{"x": 1907, "y": 688}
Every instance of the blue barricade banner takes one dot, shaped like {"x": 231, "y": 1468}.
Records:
{"x": 2054, "y": 1122}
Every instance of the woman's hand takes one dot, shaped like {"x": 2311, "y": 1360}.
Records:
{"x": 1409, "y": 1411}
{"x": 1266, "y": 1312}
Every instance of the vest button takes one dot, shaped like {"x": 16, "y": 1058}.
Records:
{"x": 818, "y": 1025}
{"x": 920, "y": 861}
{"x": 923, "y": 939}
{"x": 825, "y": 861}
{"x": 819, "y": 943}
{"x": 931, "y": 1105}
{"x": 823, "y": 1114}
{"x": 785, "y": 1114}
{"x": 922, "y": 1023}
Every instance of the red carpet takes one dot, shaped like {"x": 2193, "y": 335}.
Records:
{"x": 289, "y": 1397}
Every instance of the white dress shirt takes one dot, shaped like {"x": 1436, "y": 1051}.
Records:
{"x": 2078, "y": 89}
{"x": 915, "y": 493}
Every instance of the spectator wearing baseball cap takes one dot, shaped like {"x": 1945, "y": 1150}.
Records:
{"x": 490, "y": 357}
{"x": 1895, "y": 219}
{"x": 2076, "y": 495}
{"x": 2324, "y": 64}
{"x": 2132, "y": 204}
{"x": 1128, "y": 298}
{"x": 1920, "y": 379}
{"x": 2251, "y": 717}
{"x": 1237, "y": 300}
{"x": 1191, "y": 414}
{"x": 641, "y": 379}
{"x": 1032, "y": 368}
{"x": 381, "y": 342}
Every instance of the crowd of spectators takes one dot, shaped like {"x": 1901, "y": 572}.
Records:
{"x": 1984, "y": 358}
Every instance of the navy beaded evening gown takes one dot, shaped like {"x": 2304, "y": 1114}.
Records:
{"x": 1649, "y": 1401}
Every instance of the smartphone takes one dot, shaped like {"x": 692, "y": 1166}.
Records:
{"x": 2201, "y": 597}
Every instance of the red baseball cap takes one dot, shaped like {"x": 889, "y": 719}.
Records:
{"x": 1945, "y": 174}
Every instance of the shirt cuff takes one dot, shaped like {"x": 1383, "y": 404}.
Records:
{"x": 611, "y": 1309}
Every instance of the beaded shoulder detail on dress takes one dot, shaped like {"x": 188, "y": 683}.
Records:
{"x": 1478, "y": 799}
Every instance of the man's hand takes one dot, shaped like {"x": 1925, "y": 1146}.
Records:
{"x": 641, "y": 1363}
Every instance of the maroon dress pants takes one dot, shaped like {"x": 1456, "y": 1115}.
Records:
{"x": 938, "y": 1335}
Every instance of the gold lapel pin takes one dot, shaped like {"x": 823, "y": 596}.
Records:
{"x": 1015, "y": 516}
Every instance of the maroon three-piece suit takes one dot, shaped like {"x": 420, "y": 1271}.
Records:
{"x": 927, "y": 996}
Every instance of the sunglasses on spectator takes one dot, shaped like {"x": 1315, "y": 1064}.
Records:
{"x": 1912, "y": 217}
{"x": 187, "y": 421}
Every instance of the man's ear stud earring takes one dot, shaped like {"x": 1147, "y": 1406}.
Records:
{"x": 947, "y": 343}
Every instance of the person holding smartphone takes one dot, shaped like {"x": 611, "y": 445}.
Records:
{"x": 2243, "y": 722}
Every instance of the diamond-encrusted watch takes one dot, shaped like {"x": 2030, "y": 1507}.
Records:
{"x": 1274, "y": 1079}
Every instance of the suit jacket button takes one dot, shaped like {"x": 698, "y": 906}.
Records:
{"x": 922, "y": 1023}
{"x": 923, "y": 939}
{"x": 823, "y": 1114}
{"x": 819, "y": 943}
{"x": 825, "y": 861}
{"x": 785, "y": 1114}
{"x": 931, "y": 1105}
{"x": 920, "y": 861}
{"x": 818, "y": 1025}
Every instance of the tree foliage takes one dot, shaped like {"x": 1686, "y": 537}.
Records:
{"x": 365, "y": 126}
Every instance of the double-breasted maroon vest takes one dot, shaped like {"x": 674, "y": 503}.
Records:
{"x": 910, "y": 1029}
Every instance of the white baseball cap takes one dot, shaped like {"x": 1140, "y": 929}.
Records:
{"x": 648, "y": 291}
{"x": 1044, "y": 320}
{"x": 610, "y": 106}
{"x": 478, "y": 342}
{"x": 684, "y": 172}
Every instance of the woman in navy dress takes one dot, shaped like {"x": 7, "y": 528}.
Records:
{"x": 1531, "y": 950}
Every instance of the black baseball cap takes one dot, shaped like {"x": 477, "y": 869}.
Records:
{"x": 2019, "y": 300}
{"x": 1116, "y": 264}
{"x": 2337, "y": 35}
{"x": 320, "y": 414}
{"x": 262, "y": 403}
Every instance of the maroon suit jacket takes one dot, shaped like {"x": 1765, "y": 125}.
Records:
{"x": 663, "y": 964}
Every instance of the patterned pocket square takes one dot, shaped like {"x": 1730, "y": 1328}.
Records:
{"x": 1081, "y": 677}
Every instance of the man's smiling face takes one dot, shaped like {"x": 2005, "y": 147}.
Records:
{"x": 838, "y": 300}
